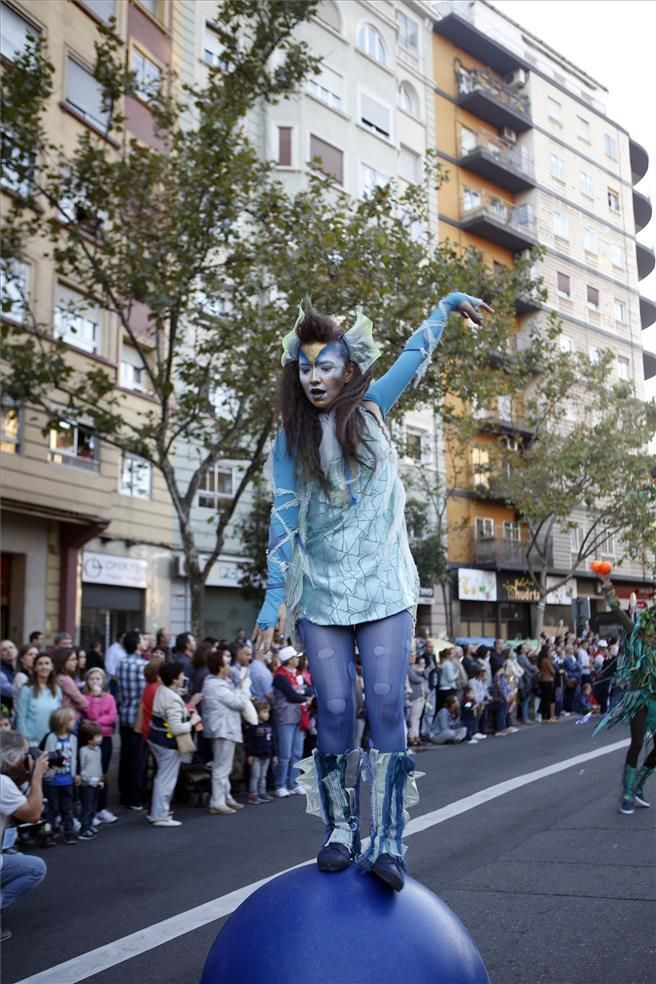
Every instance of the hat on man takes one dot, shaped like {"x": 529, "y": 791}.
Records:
{"x": 286, "y": 653}
{"x": 603, "y": 644}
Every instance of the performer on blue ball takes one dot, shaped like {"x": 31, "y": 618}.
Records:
{"x": 340, "y": 569}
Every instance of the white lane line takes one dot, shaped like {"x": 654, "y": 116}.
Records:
{"x": 104, "y": 957}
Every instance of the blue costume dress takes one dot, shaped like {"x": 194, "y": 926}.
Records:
{"x": 339, "y": 560}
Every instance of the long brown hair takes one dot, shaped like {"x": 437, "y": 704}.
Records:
{"x": 51, "y": 682}
{"x": 301, "y": 420}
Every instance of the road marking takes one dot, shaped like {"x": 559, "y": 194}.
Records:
{"x": 104, "y": 957}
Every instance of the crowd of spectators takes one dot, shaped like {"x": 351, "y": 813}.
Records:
{"x": 201, "y": 718}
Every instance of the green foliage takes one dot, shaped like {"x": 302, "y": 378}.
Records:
{"x": 426, "y": 544}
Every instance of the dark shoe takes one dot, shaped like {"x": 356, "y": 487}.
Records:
{"x": 627, "y": 806}
{"x": 70, "y": 839}
{"x": 334, "y": 857}
{"x": 389, "y": 870}
{"x": 255, "y": 800}
{"x": 265, "y": 798}
{"x": 5, "y": 935}
{"x": 48, "y": 841}
{"x": 88, "y": 835}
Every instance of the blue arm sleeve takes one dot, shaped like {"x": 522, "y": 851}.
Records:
{"x": 416, "y": 355}
{"x": 282, "y": 531}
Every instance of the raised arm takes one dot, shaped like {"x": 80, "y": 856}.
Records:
{"x": 282, "y": 531}
{"x": 613, "y": 603}
{"x": 418, "y": 350}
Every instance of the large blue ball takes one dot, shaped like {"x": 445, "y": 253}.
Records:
{"x": 309, "y": 927}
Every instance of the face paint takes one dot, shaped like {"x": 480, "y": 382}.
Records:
{"x": 323, "y": 372}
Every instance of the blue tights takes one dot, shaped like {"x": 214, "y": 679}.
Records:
{"x": 384, "y": 648}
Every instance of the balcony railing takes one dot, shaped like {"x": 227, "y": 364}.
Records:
{"x": 493, "y": 101}
{"x": 492, "y": 217}
{"x": 513, "y": 553}
{"x": 510, "y": 168}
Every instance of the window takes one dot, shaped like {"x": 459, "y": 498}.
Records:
{"x": 103, "y": 9}
{"x": 512, "y": 532}
{"x": 582, "y": 129}
{"x": 212, "y": 48}
{"x": 590, "y": 240}
{"x": 84, "y": 95}
{"x": 77, "y": 320}
{"x": 557, "y": 167}
{"x": 375, "y": 116}
{"x": 409, "y": 165}
{"x": 505, "y": 408}
{"x": 407, "y": 99}
{"x": 74, "y": 444}
{"x": 554, "y": 109}
{"x": 370, "y": 41}
{"x": 371, "y": 178}
{"x": 14, "y": 32}
{"x": 136, "y": 477}
{"x": 147, "y": 72}
{"x": 328, "y": 87}
{"x": 484, "y": 528}
{"x": 468, "y": 140}
{"x": 470, "y": 199}
{"x": 622, "y": 368}
{"x": 560, "y": 225}
{"x": 564, "y": 285}
{"x": 575, "y": 539}
{"x": 613, "y": 200}
{"x": 408, "y": 33}
{"x": 618, "y": 255}
{"x": 565, "y": 344}
{"x": 620, "y": 310}
{"x": 331, "y": 159}
{"x": 610, "y": 146}
{"x": 327, "y": 12}
{"x": 607, "y": 548}
{"x": 17, "y": 173}
{"x": 218, "y": 484}
{"x": 133, "y": 374}
{"x": 585, "y": 185}
{"x": 284, "y": 154}
{"x": 151, "y": 6}
{"x": 481, "y": 467}
{"x": 595, "y": 355}
{"x": 9, "y": 426}
{"x": 592, "y": 298}
{"x": 14, "y": 290}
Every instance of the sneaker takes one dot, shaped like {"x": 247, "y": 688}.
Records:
{"x": 136, "y": 809}
{"x": 70, "y": 839}
{"x": 5, "y": 935}
{"x": 234, "y": 805}
{"x": 88, "y": 835}
{"x": 480, "y": 737}
{"x": 106, "y": 816}
{"x": 282, "y": 792}
{"x": 255, "y": 800}
{"x": 265, "y": 798}
{"x": 95, "y": 823}
{"x": 296, "y": 791}
{"x": 151, "y": 819}
{"x": 169, "y": 822}
{"x": 512, "y": 731}
{"x": 222, "y": 811}
{"x": 627, "y": 807}
{"x": 641, "y": 801}
{"x": 472, "y": 741}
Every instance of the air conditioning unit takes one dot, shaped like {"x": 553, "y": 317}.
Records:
{"x": 509, "y": 135}
{"x": 517, "y": 79}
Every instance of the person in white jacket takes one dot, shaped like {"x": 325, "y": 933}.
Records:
{"x": 222, "y": 705}
{"x": 170, "y": 718}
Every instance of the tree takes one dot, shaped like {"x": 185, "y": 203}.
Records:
{"x": 200, "y": 256}
{"x": 586, "y": 450}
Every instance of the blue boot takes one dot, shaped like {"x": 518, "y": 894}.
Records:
{"x": 627, "y": 804}
{"x": 638, "y": 790}
{"x": 332, "y": 786}
{"x": 392, "y": 780}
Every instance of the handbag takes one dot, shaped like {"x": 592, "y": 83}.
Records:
{"x": 185, "y": 743}
{"x": 249, "y": 713}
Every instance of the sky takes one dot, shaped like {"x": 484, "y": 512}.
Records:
{"x": 612, "y": 41}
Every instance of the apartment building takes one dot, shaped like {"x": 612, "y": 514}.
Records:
{"x": 534, "y": 158}
{"x": 86, "y": 533}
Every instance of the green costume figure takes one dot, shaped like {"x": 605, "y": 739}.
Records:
{"x": 636, "y": 671}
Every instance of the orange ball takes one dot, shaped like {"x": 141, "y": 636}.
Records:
{"x": 596, "y": 566}
{"x": 605, "y": 567}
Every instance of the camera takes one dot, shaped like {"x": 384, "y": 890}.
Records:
{"x": 55, "y": 759}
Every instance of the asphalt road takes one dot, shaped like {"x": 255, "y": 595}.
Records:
{"x": 553, "y": 884}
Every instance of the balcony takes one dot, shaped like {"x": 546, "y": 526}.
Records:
{"x": 497, "y": 220}
{"x": 647, "y": 312}
{"x": 528, "y": 303}
{"x": 641, "y": 210}
{"x": 492, "y": 101}
{"x": 645, "y": 259}
{"x": 494, "y": 160}
{"x": 460, "y": 30}
{"x": 509, "y": 553}
{"x": 649, "y": 365}
{"x": 639, "y": 160}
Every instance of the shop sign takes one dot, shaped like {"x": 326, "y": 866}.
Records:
{"x": 636, "y": 597}
{"x": 518, "y": 589}
{"x": 475, "y": 585}
{"x": 565, "y": 594}
{"x": 223, "y": 573}
{"x": 124, "y": 572}
{"x": 426, "y": 596}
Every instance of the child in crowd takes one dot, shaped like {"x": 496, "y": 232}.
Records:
{"x": 471, "y": 712}
{"x": 101, "y": 709}
{"x": 481, "y": 697}
{"x": 5, "y": 719}
{"x": 91, "y": 775}
{"x": 259, "y": 754}
{"x": 586, "y": 701}
{"x": 447, "y": 727}
{"x": 62, "y": 776}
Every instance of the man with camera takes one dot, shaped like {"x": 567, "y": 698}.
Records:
{"x": 18, "y": 872}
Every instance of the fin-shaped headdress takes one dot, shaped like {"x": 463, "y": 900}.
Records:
{"x": 359, "y": 341}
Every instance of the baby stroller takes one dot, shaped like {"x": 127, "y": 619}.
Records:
{"x": 194, "y": 782}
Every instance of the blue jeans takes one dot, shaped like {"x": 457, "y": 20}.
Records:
{"x": 290, "y": 749}
{"x": 500, "y": 714}
{"x": 18, "y": 874}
